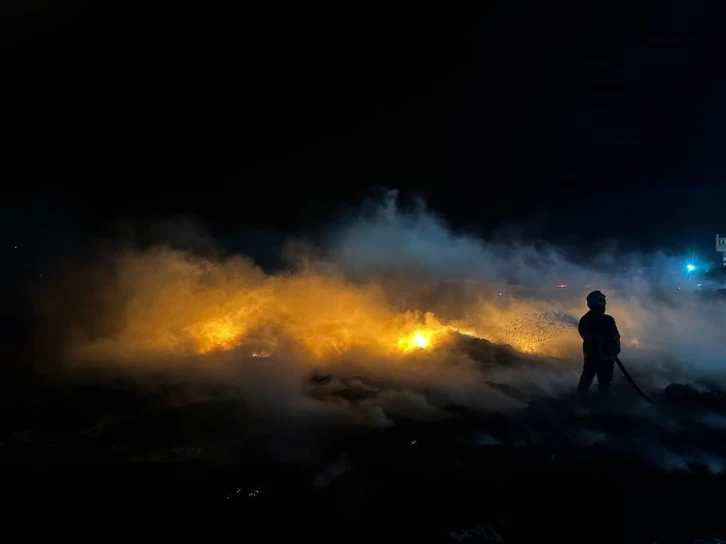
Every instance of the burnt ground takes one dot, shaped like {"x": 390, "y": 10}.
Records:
{"x": 608, "y": 471}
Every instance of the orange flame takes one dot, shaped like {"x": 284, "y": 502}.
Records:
{"x": 171, "y": 303}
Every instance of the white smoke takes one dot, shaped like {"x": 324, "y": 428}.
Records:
{"x": 313, "y": 344}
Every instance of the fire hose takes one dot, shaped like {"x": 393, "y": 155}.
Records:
{"x": 632, "y": 382}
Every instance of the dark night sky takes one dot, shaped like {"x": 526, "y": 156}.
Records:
{"x": 588, "y": 120}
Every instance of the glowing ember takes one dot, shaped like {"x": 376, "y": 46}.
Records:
{"x": 420, "y": 340}
{"x": 262, "y": 354}
{"x": 216, "y": 335}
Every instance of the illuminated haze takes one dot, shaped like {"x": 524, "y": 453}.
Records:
{"x": 393, "y": 306}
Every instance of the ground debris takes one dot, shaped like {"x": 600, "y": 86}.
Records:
{"x": 481, "y": 533}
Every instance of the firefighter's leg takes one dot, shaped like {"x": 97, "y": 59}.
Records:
{"x": 588, "y": 374}
{"x": 605, "y": 375}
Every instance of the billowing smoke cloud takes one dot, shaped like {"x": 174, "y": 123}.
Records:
{"x": 395, "y": 316}
{"x": 659, "y": 317}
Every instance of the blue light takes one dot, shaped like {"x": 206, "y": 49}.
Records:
{"x": 690, "y": 267}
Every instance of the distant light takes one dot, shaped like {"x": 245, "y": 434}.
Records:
{"x": 561, "y": 285}
{"x": 690, "y": 267}
{"x": 700, "y": 284}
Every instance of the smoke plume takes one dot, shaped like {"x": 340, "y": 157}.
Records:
{"x": 392, "y": 316}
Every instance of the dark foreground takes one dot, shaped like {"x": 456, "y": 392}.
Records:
{"x": 607, "y": 473}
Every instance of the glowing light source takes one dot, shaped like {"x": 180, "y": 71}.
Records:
{"x": 420, "y": 340}
{"x": 690, "y": 267}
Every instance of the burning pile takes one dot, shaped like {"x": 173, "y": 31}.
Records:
{"x": 171, "y": 303}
